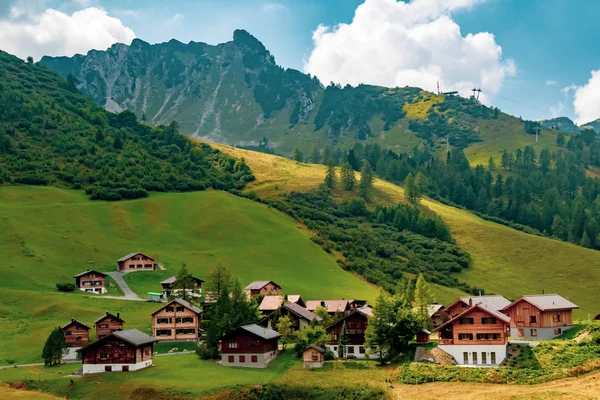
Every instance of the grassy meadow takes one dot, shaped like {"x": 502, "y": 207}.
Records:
{"x": 505, "y": 261}
{"x": 47, "y": 235}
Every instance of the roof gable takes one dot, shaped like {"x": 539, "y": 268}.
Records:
{"x": 301, "y": 311}
{"x": 255, "y": 330}
{"x": 257, "y": 285}
{"x": 173, "y": 279}
{"x": 134, "y": 337}
{"x": 545, "y": 302}
{"x": 465, "y": 313}
{"x": 364, "y": 311}
{"x": 270, "y": 303}
{"x": 331, "y": 305}
{"x": 315, "y": 347}
{"x": 182, "y": 303}
{"x": 114, "y": 317}
{"x": 87, "y": 272}
{"x": 128, "y": 256}
{"x": 74, "y": 321}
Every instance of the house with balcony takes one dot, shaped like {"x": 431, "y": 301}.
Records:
{"x": 91, "y": 281}
{"x": 177, "y": 320}
{"x": 491, "y": 302}
{"x": 356, "y": 321}
{"x": 540, "y": 316}
{"x": 169, "y": 288}
{"x": 476, "y": 336}
{"x": 265, "y": 288}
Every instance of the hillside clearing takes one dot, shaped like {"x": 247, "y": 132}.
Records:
{"x": 505, "y": 261}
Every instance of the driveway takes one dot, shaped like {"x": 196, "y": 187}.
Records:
{"x": 128, "y": 293}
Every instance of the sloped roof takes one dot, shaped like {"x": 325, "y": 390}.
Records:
{"x": 73, "y": 321}
{"x": 433, "y": 308}
{"x": 494, "y": 313}
{"x": 108, "y": 315}
{"x": 128, "y": 256}
{"x": 294, "y": 298}
{"x": 183, "y": 303}
{"x": 173, "y": 279}
{"x": 135, "y": 337}
{"x": 546, "y": 302}
{"x": 332, "y": 305}
{"x": 257, "y": 285}
{"x": 261, "y": 332}
{"x": 301, "y": 311}
{"x": 491, "y": 302}
{"x": 425, "y": 331}
{"x": 367, "y": 311}
{"x": 87, "y": 272}
{"x": 270, "y": 303}
{"x": 317, "y": 348}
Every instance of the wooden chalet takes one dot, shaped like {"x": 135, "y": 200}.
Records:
{"x": 299, "y": 316}
{"x": 107, "y": 324}
{"x": 313, "y": 357}
{"x": 124, "y": 351}
{"x": 542, "y": 316}
{"x": 356, "y": 321}
{"x": 423, "y": 336}
{"x": 257, "y": 288}
{"x": 249, "y": 346}
{"x": 491, "y": 302}
{"x": 168, "y": 288}
{"x": 77, "y": 334}
{"x": 176, "y": 320}
{"x": 91, "y": 281}
{"x": 137, "y": 262}
{"x": 332, "y": 306}
{"x": 477, "y": 336}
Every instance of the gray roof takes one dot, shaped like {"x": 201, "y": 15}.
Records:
{"x": 87, "y": 272}
{"x": 108, "y": 315}
{"x": 491, "y": 302}
{"x": 425, "y": 331}
{"x": 135, "y": 337}
{"x": 169, "y": 280}
{"x": 259, "y": 331}
{"x": 75, "y": 321}
{"x": 301, "y": 311}
{"x": 257, "y": 285}
{"x": 317, "y": 348}
{"x": 549, "y": 302}
{"x": 183, "y": 303}
{"x": 433, "y": 309}
{"x": 128, "y": 256}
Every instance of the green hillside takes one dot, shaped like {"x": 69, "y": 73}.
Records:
{"x": 49, "y": 234}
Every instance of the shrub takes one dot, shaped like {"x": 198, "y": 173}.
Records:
{"x": 66, "y": 287}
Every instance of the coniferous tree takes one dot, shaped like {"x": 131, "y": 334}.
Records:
{"x": 560, "y": 139}
{"x": 54, "y": 347}
{"x": 366, "y": 181}
{"x": 218, "y": 279}
{"x": 342, "y": 341}
{"x": 378, "y": 330}
{"x": 118, "y": 143}
{"x": 298, "y": 156}
{"x": 330, "y": 175}
{"x": 491, "y": 164}
{"x": 185, "y": 285}
{"x": 315, "y": 156}
{"x": 413, "y": 187}
{"x": 422, "y": 299}
{"x": 348, "y": 176}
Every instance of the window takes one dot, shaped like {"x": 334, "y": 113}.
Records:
{"x": 254, "y": 343}
{"x": 187, "y": 320}
{"x": 68, "y": 333}
{"x": 163, "y": 332}
{"x": 493, "y": 357}
{"x": 148, "y": 266}
{"x": 131, "y": 266}
{"x": 488, "y": 320}
{"x": 533, "y": 319}
{"x": 520, "y": 332}
{"x": 78, "y": 338}
{"x": 179, "y": 308}
{"x": 125, "y": 368}
{"x": 465, "y": 336}
{"x": 146, "y": 351}
{"x": 108, "y": 368}
{"x": 242, "y": 358}
{"x": 170, "y": 309}
{"x": 231, "y": 359}
{"x": 466, "y": 321}
{"x": 163, "y": 320}
{"x": 465, "y": 358}
{"x": 186, "y": 331}
{"x": 254, "y": 359}
{"x": 534, "y": 332}
{"x": 556, "y": 318}
{"x": 139, "y": 266}
{"x": 474, "y": 358}
{"x": 233, "y": 345}
{"x": 557, "y": 331}
{"x": 361, "y": 349}
{"x": 488, "y": 336}
{"x": 103, "y": 356}
{"x": 334, "y": 349}
{"x": 350, "y": 349}
{"x": 103, "y": 325}
{"x": 484, "y": 357}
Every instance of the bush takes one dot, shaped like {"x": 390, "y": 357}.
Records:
{"x": 206, "y": 353}
{"x": 66, "y": 287}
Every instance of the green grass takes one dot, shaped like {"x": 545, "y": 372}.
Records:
{"x": 47, "y": 235}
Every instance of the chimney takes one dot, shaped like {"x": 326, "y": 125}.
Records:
{"x": 323, "y": 303}
{"x": 470, "y": 302}
{"x": 119, "y": 315}
{"x": 72, "y": 319}
{"x": 107, "y": 313}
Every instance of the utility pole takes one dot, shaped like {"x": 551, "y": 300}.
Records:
{"x": 438, "y": 87}
{"x": 537, "y": 132}
{"x": 447, "y": 143}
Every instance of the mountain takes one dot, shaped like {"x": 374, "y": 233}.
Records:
{"x": 595, "y": 125}
{"x": 235, "y": 93}
{"x": 561, "y": 123}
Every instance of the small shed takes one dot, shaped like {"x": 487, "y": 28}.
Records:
{"x": 423, "y": 336}
{"x": 313, "y": 357}
{"x": 154, "y": 296}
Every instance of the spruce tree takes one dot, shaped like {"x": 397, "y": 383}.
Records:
{"x": 298, "y": 156}
{"x": 491, "y": 164}
{"x": 330, "y": 175}
{"x": 185, "y": 285}
{"x": 348, "y": 176}
{"x": 423, "y": 298}
{"x": 366, "y": 181}
{"x": 343, "y": 341}
{"x": 54, "y": 347}
{"x": 315, "y": 156}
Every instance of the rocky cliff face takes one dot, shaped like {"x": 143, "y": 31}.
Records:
{"x": 561, "y": 123}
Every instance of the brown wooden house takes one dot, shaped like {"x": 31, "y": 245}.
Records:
{"x": 176, "y": 320}
{"x": 542, "y": 316}
{"x": 313, "y": 357}
{"x": 124, "y": 351}
{"x": 356, "y": 321}
{"x": 477, "y": 336}
{"x": 77, "y": 334}
{"x": 137, "y": 262}
{"x": 91, "y": 281}
{"x": 491, "y": 302}
{"x": 169, "y": 289}
{"x": 107, "y": 324}
{"x": 249, "y": 346}
{"x": 257, "y": 288}
{"x": 333, "y": 306}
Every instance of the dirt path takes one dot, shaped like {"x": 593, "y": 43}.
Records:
{"x": 128, "y": 293}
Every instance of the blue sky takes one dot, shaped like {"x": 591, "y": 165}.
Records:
{"x": 553, "y": 43}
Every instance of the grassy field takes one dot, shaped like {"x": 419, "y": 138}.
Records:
{"x": 48, "y": 234}
{"x": 505, "y": 261}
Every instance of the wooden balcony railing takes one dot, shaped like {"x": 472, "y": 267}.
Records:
{"x": 445, "y": 341}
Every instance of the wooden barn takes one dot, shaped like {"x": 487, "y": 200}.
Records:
{"x": 124, "y": 351}
{"x": 137, "y": 262}
{"x": 77, "y": 334}
{"x": 313, "y": 357}
{"x": 107, "y": 324}
{"x": 91, "y": 281}
{"x": 249, "y": 346}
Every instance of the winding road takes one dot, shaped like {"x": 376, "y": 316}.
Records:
{"x": 128, "y": 293}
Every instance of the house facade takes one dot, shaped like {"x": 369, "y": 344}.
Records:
{"x": 124, "y": 351}
{"x": 540, "y": 317}
{"x": 91, "y": 281}
{"x": 477, "y": 336}
{"x": 168, "y": 288}
{"x": 176, "y": 320}
{"x": 137, "y": 262}
{"x": 77, "y": 334}
{"x": 249, "y": 346}
{"x": 313, "y": 357}
{"x": 107, "y": 324}
{"x": 257, "y": 288}
{"x": 356, "y": 321}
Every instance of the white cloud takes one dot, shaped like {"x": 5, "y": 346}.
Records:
{"x": 551, "y": 82}
{"x": 273, "y": 7}
{"x": 81, "y": 3}
{"x": 586, "y": 100}
{"x": 55, "y": 33}
{"x": 127, "y": 13}
{"x": 394, "y": 43}
{"x": 175, "y": 18}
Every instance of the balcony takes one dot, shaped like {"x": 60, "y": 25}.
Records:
{"x": 445, "y": 341}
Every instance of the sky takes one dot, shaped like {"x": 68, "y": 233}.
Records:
{"x": 532, "y": 58}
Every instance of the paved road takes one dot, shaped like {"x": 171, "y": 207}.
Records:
{"x": 34, "y": 365}
{"x": 129, "y": 295}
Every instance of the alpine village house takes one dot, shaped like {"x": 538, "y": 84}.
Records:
{"x": 249, "y": 346}
{"x": 356, "y": 325}
{"x": 77, "y": 334}
{"x": 128, "y": 350}
{"x": 107, "y": 324}
{"x": 257, "y": 288}
{"x": 176, "y": 320}
{"x": 137, "y": 262}
{"x": 91, "y": 281}
{"x": 169, "y": 289}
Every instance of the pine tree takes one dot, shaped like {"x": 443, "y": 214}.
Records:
{"x": 423, "y": 298}
{"x": 330, "y": 175}
{"x": 342, "y": 341}
{"x": 560, "y": 139}
{"x": 118, "y": 143}
{"x": 54, "y": 347}
{"x": 185, "y": 284}
{"x": 218, "y": 278}
{"x": 585, "y": 241}
{"x": 315, "y": 156}
{"x": 348, "y": 176}
{"x": 491, "y": 164}
{"x": 366, "y": 181}
{"x": 413, "y": 187}
{"x": 298, "y": 156}
{"x": 379, "y": 327}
